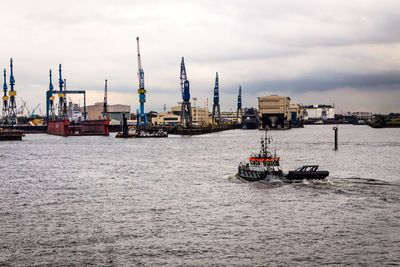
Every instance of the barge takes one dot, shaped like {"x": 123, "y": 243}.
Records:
{"x": 11, "y": 135}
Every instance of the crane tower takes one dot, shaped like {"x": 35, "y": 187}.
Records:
{"x": 12, "y": 108}
{"x": 105, "y": 115}
{"x": 142, "y": 92}
{"x": 216, "y": 107}
{"x": 239, "y": 105}
{"x": 62, "y": 104}
{"x": 186, "y": 110}
{"x": 51, "y": 102}
{"x": 5, "y": 101}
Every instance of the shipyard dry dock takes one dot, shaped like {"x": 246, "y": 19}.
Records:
{"x": 102, "y": 127}
{"x": 91, "y": 127}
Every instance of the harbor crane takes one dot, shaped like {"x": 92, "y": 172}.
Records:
{"x": 62, "y": 94}
{"x": 216, "y": 107}
{"x": 21, "y": 109}
{"x": 105, "y": 115}
{"x": 62, "y": 103}
{"x": 239, "y": 105}
{"x": 186, "y": 110}
{"x": 51, "y": 100}
{"x": 32, "y": 114}
{"x": 142, "y": 118}
{"x": 5, "y": 101}
{"x": 12, "y": 108}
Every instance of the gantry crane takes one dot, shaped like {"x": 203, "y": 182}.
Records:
{"x": 62, "y": 94}
{"x": 239, "y": 105}
{"x": 186, "y": 110}
{"x": 142, "y": 118}
{"x": 5, "y": 101}
{"x": 216, "y": 107}
{"x": 12, "y": 108}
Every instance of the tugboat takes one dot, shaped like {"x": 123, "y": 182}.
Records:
{"x": 265, "y": 166}
{"x": 262, "y": 165}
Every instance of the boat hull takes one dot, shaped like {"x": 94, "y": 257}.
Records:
{"x": 255, "y": 175}
{"x": 297, "y": 175}
{"x": 11, "y": 135}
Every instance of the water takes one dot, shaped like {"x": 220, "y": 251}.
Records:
{"x": 176, "y": 201}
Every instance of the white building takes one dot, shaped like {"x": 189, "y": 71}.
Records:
{"x": 318, "y": 112}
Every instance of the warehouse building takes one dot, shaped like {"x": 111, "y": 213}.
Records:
{"x": 200, "y": 116}
{"x": 318, "y": 112}
{"x": 274, "y": 111}
{"x": 115, "y": 112}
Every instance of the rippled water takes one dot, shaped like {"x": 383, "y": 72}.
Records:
{"x": 176, "y": 201}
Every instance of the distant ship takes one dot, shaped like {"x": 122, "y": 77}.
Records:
{"x": 250, "y": 119}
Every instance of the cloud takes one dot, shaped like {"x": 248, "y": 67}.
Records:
{"x": 294, "y": 47}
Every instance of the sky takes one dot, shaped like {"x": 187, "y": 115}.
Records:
{"x": 340, "y": 52}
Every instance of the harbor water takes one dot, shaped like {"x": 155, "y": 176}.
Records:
{"x": 105, "y": 201}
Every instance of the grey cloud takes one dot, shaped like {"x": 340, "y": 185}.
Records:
{"x": 328, "y": 81}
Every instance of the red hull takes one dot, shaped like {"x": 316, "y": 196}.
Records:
{"x": 94, "y": 127}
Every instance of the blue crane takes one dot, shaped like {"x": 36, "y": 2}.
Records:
{"x": 62, "y": 103}
{"x": 239, "y": 105}
{"x": 51, "y": 100}
{"x": 105, "y": 115}
{"x": 5, "y": 101}
{"x": 12, "y": 108}
{"x": 216, "y": 107}
{"x": 142, "y": 92}
{"x": 186, "y": 110}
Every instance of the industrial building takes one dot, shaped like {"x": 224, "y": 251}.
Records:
{"x": 274, "y": 111}
{"x": 166, "y": 118}
{"x": 74, "y": 112}
{"x": 115, "y": 112}
{"x": 229, "y": 117}
{"x": 318, "y": 112}
{"x": 199, "y": 116}
{"x": 360, "y": 115}
{"x": 295, "y": 114}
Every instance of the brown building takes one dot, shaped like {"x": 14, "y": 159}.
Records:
{"x": 199, "y": 116}
{"x": 95, "y": 112}
{"x": 274, "y": 111}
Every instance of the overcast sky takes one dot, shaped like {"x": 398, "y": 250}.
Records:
{"x": 316, "y": 52}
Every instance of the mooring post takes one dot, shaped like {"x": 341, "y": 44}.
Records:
{"x": 336, "y": 137}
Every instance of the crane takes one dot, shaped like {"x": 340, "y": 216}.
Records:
{"x": 142, "y": 118}
{"x": 5, "y": 101}
{"x": 12, "y": 108}
{"x": 61, "y": 96}
{"x": 186, "y": 110}
{"x": 51, "y": 102}
{"x": 32, "y": 114}
{"x": 216, "y": 107}
{"x": 105, "y": 102}
{"x": 239, "y": 105}
{"x": 20, "y": 111}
